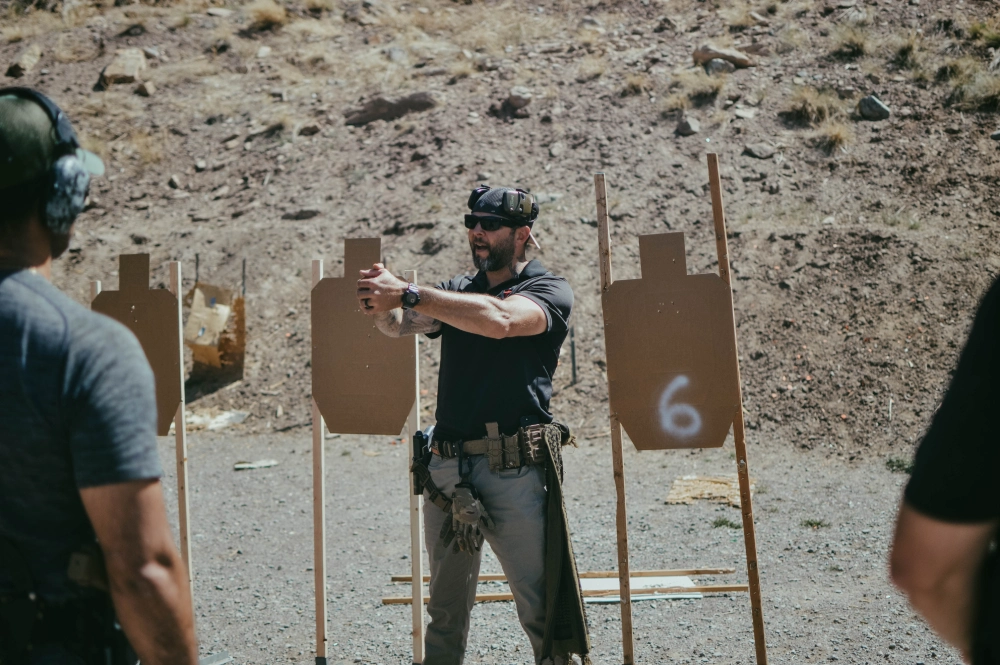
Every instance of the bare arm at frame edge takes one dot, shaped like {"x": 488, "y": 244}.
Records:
{"x": 400, "y": 323}
{"x": 148, "y": 581}
{"x": 937, "y": 565}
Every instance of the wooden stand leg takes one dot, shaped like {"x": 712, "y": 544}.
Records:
{"x": 416, "y": 511}
{"x": 621, "y": 525}
{"x": 617, "y": 458}
{"x": 180, "y": 439}
{"x": 319, "y": 512}
{"x": 739, "y": 429}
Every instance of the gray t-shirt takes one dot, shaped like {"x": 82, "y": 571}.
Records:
{"x": 77, "y": 410}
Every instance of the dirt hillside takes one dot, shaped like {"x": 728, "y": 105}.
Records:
{"x": 860, "y": 248}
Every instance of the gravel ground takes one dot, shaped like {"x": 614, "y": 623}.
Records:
{"x": 825, "y": 589}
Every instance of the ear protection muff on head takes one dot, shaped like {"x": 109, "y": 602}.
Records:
{"x": 520, "y": 203}
{"x": 477, "y": 194}
{"x": 67, "y": 182}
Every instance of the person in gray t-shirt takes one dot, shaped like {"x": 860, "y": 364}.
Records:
{"x": 81, "y": 507}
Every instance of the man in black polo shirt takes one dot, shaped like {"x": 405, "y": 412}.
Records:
{"x": 501, "y": 332}
{"x": 942, "y": 556}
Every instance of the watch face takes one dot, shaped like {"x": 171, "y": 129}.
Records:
{"x": 410, "y": 298}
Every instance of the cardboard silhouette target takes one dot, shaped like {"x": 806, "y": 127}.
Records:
{"x": 362, "y": 380}
{"x": 153, "y": 317}
{"x": 673, "y": 377}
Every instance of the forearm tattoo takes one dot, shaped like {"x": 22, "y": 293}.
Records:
{"x": 399, "y": 323}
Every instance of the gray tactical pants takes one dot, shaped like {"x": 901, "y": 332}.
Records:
{"x": 516, "y": 501}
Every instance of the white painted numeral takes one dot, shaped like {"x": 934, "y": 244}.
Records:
{"x": 678, "y": 420}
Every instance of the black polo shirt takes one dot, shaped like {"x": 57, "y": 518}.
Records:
{"x": 484, "y": 380}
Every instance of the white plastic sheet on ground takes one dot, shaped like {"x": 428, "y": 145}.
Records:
{"x": 638, "y": 583}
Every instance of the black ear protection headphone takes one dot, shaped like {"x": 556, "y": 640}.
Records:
{"x": 64, "y": 187}
{"x": 516, "y": 203}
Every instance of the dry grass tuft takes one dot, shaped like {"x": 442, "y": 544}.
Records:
{"x": 68, "y": 50}
{"x": 981, "y": 92}
{"x": 311, "y": 30}
{"x": 464, "y": 25}
{"x": 833, "y": 135}
{"x": 851, "y": 42}
{"x": 636, "y": 84}
{"x": 813, "y": 106}
{"x": 21, "y": 27}
{"x": 737, "y": 15}
{"x": 266, "y": 15}
{"x": 986, "y": 32}
{"x": 959, "y": 70}
{"x": 700, "y": 87}
{"x": 790, "y": 38}
{"x": 460, "y": 70}
{"x": 590, "y": 68}
{"x": 147, "y": 147}
{"x": 908, "y": 52}
{"x": 188, "y": 71}
{"x": 674, "y": 103}
{"x": 317, "y": 7}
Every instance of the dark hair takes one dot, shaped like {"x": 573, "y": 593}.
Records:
{"x": 18, "y": 202}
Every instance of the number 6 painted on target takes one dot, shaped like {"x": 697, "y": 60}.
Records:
{"x": 671, "y": 415}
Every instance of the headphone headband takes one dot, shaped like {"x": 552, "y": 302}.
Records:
{"x": 66, "y": 140}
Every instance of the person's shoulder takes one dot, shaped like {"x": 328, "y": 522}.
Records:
{"x": 536, "y": 273}
{"x": 81, "y": 330}
{"x": 35, "y": 304}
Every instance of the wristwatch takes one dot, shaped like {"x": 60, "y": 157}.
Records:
{"x": 411, "y": 296}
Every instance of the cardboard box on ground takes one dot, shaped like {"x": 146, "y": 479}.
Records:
{"x": 215, "y": 332}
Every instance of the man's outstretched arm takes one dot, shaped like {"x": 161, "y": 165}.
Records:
{"x": 399, "y": 323}
{"x": 380, "y": 293}
{"x": 148, "y": 580}
{"x": 937, "y": 565}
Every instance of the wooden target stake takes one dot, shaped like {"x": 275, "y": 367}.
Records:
{"x": 617, "y": 458}
{"x": 319, "y": 509}
{"x": 739, "y": 429}
{"x": 180, "y": 438}
{"x": 416, "y": 508}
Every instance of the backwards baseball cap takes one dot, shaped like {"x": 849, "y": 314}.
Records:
{"x": 34, "y": 134}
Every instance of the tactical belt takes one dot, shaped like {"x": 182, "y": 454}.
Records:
{"x": 524, "y": 448}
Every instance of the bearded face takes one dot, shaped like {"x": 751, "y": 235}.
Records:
{"x": 493, "y": 250}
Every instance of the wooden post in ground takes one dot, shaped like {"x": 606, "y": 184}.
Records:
{"x": 739, "y": 430}
{"x": 416, "y": 508}
{"x": 180, "y": 437}
{"x": 617, "y": 458}
{"x": 319, "y": 510}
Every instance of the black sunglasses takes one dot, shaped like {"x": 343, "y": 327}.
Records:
{"x": 490, "y": 223}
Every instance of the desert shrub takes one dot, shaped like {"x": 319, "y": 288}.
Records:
{"x": 980, "y": 93}
{"x": 907, "y": 52}
{"x": 635, "y": 84}
{"x": 851, "y": 42}
{"x": 986, "y": 32}
{"x": 833, "y": 135}
{"x": 266, "y": 15}
{"x": 790, "y": 38}
{"x": 812, "y": 106}
{"x": 959, "y": 70}
{"x": 698, "y": 86}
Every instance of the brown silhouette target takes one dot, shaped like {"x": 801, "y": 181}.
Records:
{"x": 363, "y": 381}
{"x": 154, "y": 318}
{"x": 673, "y": 378}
